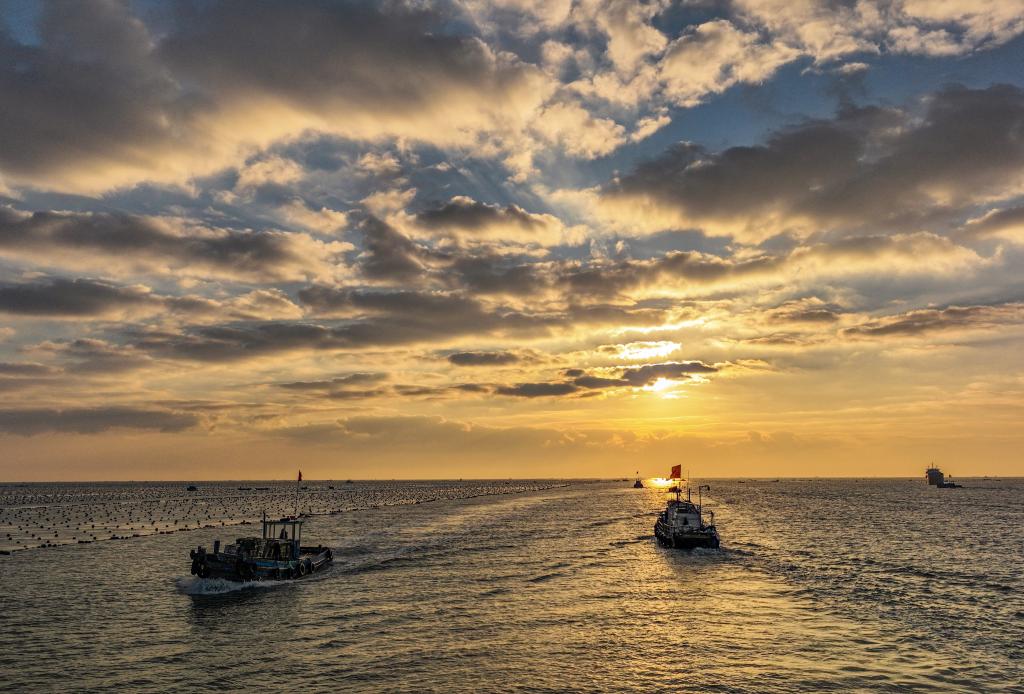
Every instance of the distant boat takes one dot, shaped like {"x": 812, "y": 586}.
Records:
{"x": 191, "y": 488}
{"x": 937, "y": 479}
{"x": 681, "y": 525}
{"x": 638, "y": 484}
{"x": 245, "y": 489}
{"x": 276, "y": 556}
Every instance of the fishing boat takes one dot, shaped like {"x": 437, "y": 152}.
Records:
{"x": 681, "y": 525}
{"x": 275, "y": 556}
{"x": 638, "y": 484}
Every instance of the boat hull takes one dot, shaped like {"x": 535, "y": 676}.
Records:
{"x": 232, "y": 568}
{"x": 699, "y": 539}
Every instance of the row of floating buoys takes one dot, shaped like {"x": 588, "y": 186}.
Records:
{"x": 33, "y": 517}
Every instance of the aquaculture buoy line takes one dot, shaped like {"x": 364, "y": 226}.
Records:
{"x": 53, "y": 514}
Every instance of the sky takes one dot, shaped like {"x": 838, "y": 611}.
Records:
{"x": 521, "y": 238}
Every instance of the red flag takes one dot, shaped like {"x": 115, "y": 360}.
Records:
{"x": 300, "y": 475}
{"x": 677, "y": 472}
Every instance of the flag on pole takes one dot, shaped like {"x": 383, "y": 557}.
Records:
{"x": 677, "y": 472}
{"x": 300, "y": 475}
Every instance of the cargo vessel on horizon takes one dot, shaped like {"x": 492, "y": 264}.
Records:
{"x": 936, "y": 478}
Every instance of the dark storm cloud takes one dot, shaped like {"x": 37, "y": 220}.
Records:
{"x": 649, "y": 373}
{"x": 537, "y": 390}
{"x": 483, "y": 358}
{"x": 233, "y": 343}
{"x": 373, "y": 319}
{"x": 96, "y": 88}
{"x": 629, "y": 376}
{"x": 345, "y": 381}
{"x": 597, "y": 382}
{"x": 70, "y": 298}
{"x": 25, "y": 368}
{"x": 92, "y": 298}
{"x": 867, "y": 166}
{"x": 930, "y": 320}
{"x": 86, "y": 238}
{"x": 91, "y": 356}
{"x": 610, "y": 278}
{"x": 28, "y": 422}
{"x": 321, "y": 54}
{"x": 805, "y": 311}
{"x": 88, "y": 91}
{"x": 812, "y": 315}
{"x": 495, "y": 275}
{"x": 389, "y": 254}
{"x": 332, "y": 301}
{"x": 465, "y": 214}
{"x": 439, "y": 314}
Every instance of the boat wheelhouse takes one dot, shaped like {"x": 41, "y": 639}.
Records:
{"x": 681, "y": 525}
{"x": 275, "y": 556}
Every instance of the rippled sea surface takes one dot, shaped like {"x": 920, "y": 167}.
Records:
{"x": 877, "y": 585}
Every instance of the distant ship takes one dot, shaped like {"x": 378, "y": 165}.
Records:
{"x": 681, "y": 525}
{"x": 937, "y": 479}
{"x": 638, "y": 484}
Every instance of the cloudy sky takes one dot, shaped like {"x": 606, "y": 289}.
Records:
{"x": 512, "y": 238}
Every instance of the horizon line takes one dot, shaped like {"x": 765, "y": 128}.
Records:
{"x": 495, "y": 479}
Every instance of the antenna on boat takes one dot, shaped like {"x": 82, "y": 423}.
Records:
{"x": 297, "y": 483}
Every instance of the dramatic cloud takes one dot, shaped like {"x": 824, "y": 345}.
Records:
{"x": 537, "y": 390}
{"x": 868, "y": 167}
{"x": 465, "y": 216}
{"x": 128, "y": 243}
{"x": 518, "y": 227}
{"x": 25, "y": 369}
{"x": 483, "y": 358}
{"x": 73, "y": 298}
{"x": 947, "y": 319}
{"x": 630, "y": 376}
{"x": 228, "y": 76}
{"x": 811, "y": 310}
{"x": 649, "y": 373}
{"x": 336, "y": 382}
{"x": 29, "y": 422}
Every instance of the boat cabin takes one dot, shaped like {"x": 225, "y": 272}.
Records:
{"x": 282, "y": 538}
{"x": 683, "y": 514}
{"x": 281, "y": 541}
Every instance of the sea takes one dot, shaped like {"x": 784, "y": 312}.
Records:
{"x": 884, "y": 585}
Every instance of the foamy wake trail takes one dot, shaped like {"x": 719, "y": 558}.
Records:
{"x": 216, "y": 586}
